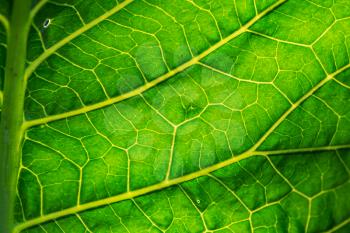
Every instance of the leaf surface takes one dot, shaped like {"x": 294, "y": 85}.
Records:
{"x": 187, "y": 116}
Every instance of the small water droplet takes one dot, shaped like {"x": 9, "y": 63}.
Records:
{"x": 198, "y": 201}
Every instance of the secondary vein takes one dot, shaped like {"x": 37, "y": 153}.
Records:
{"x": 30, "y": 69}
{"x": 4, "y": 21}
{"x": 167, "y": 183}
{"x": 156, "y": 81}
{"x": 156, "y": 187}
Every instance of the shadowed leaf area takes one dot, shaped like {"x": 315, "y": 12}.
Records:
{"x": 186, "y": 116}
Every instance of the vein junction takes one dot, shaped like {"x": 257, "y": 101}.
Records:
{"x": 247, "y": 96}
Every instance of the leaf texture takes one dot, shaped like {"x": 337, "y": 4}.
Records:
{"x": 186, "y": 116}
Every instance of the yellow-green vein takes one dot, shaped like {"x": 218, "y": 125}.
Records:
{"x": 156, "y": 81}
{"x": 4, "y": 21}
{"x": 30, "y": 69}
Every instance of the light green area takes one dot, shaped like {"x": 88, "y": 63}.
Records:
{"x": 3, "y": 48}
{"x": 182, "y": 119}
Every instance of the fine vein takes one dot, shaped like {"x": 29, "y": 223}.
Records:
{"x": 156, "y": 81}
{"x": 72, "y": 36}
{"x": 159, "y": 186}
{"x": 167, "y": 183}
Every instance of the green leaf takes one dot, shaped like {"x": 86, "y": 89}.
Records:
{"x": 183, "y": 116}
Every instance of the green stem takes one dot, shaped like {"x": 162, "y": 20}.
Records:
{"x": 12, "y": 111}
